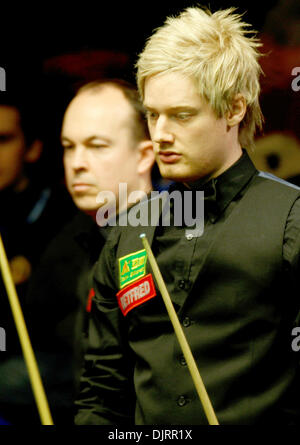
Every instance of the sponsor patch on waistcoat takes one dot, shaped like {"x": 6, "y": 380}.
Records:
{"x": 136, "y": 293}
{"x": 132, "y": 267}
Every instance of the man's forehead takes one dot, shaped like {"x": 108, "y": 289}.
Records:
{"x": 170, "y": 90}
{"x": 99, "y": 102}
{"x": 107, "y": 93}
{"x": 89, "y": 115}
{"x": 9, "y": 116}
{"x": 9, "y": 110}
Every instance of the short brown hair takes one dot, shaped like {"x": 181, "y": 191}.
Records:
{"x": 131, "y": 94}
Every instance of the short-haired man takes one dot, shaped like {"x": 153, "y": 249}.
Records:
{"x": 234, "y": 287}
{"x": 106, "y": 142}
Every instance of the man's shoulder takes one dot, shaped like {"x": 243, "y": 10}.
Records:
{"x": 76, "y": 225}
{"x": 276, "y": 182}
{"x": 65, "y": 243}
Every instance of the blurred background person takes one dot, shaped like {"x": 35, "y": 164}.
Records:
{"x": 105, "y": 142}
{"x": 32, "y": 211}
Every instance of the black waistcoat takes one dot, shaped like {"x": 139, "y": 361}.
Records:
{"x": 240, "y": 312}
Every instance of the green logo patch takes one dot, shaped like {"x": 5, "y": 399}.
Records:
{"x": 132, "y": 267}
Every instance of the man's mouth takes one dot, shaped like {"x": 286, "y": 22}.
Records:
{"x": 169, "y": 157}
{"x": 81, "y": 186}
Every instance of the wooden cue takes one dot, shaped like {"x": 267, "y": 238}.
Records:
{"x": 198, "y": 382}
{"x": 34, "y": 376}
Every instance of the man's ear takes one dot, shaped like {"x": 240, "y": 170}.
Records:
{"x": 146, "y": 157}
{"x": 34, "y": 151}
{"x": 237, "y": 111}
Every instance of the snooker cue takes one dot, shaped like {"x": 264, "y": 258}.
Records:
{"x": 198, "y": 382}
{"x": 34, "y": 375}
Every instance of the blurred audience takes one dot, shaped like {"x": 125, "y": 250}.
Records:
{"x": 32, "y": 213}
{"x": 278, "y": 150}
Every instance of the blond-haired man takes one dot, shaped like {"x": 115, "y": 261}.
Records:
{"x": 234, "y": 287}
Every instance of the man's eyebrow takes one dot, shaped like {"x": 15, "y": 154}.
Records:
{"x": 64, "y": 139}
{"x": 89, "y": 139}
{"x": 6, "y": 132}
{"x": 99, "y": 136}
{"x": 173, "y": 108}
{"x": 147, "y": 107}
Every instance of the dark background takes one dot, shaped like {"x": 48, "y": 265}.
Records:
{"x": 43, "y": 30}
{"x": 48, "y": 48}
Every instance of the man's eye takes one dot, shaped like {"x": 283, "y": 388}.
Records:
{"x": 182, "y": 116}
{"x": 95, "y": 145}
{"x": 151, "y": 115}
{"x": 6, "y": 138}
{"x": 67, "y": 146}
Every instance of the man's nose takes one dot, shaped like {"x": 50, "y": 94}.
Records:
{"x": 162, "y": 132}
{"x": 79, "y": 158}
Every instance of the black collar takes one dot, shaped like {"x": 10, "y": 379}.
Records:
{"x": 220, "y": 191}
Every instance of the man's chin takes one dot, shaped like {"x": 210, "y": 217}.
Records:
{"x": 175, "y": 175}
{"x": 85, "y": 205}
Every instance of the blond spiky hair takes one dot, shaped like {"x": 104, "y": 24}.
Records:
{"x": 214, "y": 49}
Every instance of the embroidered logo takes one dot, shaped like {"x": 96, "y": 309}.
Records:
{"x": 132, "y": 267}
{"x": 136, "y": 294}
